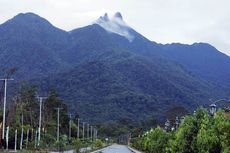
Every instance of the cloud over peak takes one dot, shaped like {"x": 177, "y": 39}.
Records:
{"x": 115, "y": 25}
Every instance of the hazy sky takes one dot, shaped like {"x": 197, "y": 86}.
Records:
{"x": 163, "y": 21}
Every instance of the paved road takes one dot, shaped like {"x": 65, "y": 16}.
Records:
{"x": 115, "y": 148}
{"x": 70, "y": 151}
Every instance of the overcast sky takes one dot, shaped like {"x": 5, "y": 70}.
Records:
{"x": 163, "y": 21}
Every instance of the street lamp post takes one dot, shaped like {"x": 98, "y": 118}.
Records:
{"x": 167, "y": 124}
{"x": 40, "y": 119}
{"x": 212, "y": 109}
{"x": 21, "y": 140}
{"x": 15, "y": 140}
{"x": 94, "y": 134}
{"x": 83, "y": 131}
{"x": 27, "y": 137}
{"x": 7, "y": 137}
{"x": 87, "y": 131}
{"x": 4, "y": 107}
{"x": 91, "y": 133}
{"x": 35, "y": 140}
{"x": 58, "y": 125}
{"x": 70, "y": 126}
{"x": 213, "y": 106}
{"x": 78, "y": 128}
{"x": 177, "y": 122}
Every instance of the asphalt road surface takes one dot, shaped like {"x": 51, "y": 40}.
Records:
{"x": 115, "y": 148}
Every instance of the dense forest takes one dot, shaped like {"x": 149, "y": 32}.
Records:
{"x": 107, "y": 78}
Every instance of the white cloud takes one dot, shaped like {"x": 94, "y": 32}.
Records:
{"x": 167, "y": 21}
{"x": 115, "y": 25}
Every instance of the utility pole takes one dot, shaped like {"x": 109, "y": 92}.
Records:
{"x": 15, "y": 140}
{"x": 95, "y": 134}
{"x": 7, "y": 137}
{"x": 27, "y": 137}
{"x": 87, "y": 131}
{"x": 40, "y": 119}
{"x": 32, "y": 134}
{"x": 4, "y": 107}
{"x": 70, "y": 126}
{"x": 91, "y": 133}
{"x": 35, "y": 140}
{"x": 21, "y": 140}
{"x": 83, "y": 131}
{"x": 58, "y": 124}
{"x": 78, "y": 124}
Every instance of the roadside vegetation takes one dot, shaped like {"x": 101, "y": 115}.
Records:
{"x": 198, "y": 133}
{"x": 23, "y": 116}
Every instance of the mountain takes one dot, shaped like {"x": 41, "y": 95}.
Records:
{"x": 32, "y": 45}
{"x": 203, "y": 60}
{"x": 127, "y": 86}
{"x": 107, "y": 71}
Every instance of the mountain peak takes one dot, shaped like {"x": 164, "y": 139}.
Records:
{"x": 118, "y": 15}
{"x": 115, "y": 25}
{"x": 28, "y": 16}
{"x": 105, "y": 17}
{"x": 28, "y": 19}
